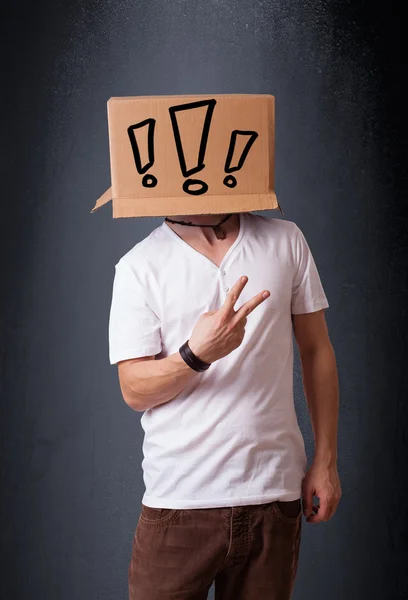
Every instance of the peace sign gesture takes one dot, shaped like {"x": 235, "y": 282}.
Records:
{"x": 219, "y": 332}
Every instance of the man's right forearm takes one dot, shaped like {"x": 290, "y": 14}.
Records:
{"x": 154, "y": 382}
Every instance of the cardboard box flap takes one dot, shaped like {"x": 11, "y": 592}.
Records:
{"x": 104, "y": 199}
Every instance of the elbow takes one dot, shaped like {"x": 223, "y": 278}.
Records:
{"x": 137, "y": 400}
{"x": 135, "y": 385}
{"x": 140, "y": 402}
{"x": 132, "y": 398}
{"x": 133, "y": 402}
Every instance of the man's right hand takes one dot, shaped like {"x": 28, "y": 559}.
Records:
{"x": 219, "y": 332}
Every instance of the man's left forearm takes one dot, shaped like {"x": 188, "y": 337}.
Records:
{"x": 320, "y": 383}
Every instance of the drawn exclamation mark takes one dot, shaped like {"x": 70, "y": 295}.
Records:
{"x": 245, "y": 140}
{"x": 141, "y": 138}
{"x": 190, "y": 158}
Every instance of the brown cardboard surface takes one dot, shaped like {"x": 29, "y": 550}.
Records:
{"x": 185, "y": 155}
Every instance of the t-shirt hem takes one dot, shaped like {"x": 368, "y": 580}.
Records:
{"x": 135, "y": 353}
{"x": 172, "y": 503}
{"x": 310, "y": 307}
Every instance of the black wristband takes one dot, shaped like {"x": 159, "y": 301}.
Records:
{"x": 191, "y": 359}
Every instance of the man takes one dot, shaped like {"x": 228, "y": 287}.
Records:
{"x": 201, "y": 326}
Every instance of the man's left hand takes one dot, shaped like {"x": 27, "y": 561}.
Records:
{"x": 321, "y": 481}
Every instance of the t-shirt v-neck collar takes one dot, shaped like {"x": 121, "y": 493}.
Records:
{"x": 189, "y": 248}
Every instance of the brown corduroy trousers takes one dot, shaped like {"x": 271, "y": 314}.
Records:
{"x": 248, "y": 552}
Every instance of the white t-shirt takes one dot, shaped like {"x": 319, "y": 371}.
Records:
{"x": 231, "y": 437}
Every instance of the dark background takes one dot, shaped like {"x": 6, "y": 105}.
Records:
{"x": 71, "y": 480}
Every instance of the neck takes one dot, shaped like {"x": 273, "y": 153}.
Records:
{"x": 204, "y": 234}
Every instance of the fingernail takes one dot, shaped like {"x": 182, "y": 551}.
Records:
{"x": 265, "y": 294}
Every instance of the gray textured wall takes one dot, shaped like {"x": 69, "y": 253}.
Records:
{"x": 71, "y": 480}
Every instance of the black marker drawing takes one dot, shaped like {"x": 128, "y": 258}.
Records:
{"x": 141, "y": 136}
{"x": 148, "y": 180}
{"x": 190, "y": 185}
{"x": 230, "y": 180}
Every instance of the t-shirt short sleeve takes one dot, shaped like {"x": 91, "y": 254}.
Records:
{"x": 307, "y": 290}
{"x": 134, "y": 328}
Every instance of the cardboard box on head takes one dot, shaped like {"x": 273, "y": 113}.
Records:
{"x": 191, "y": 155}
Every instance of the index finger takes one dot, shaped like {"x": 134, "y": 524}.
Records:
{"x": 250, "y": 305}
{"x": 234, "y": 294}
